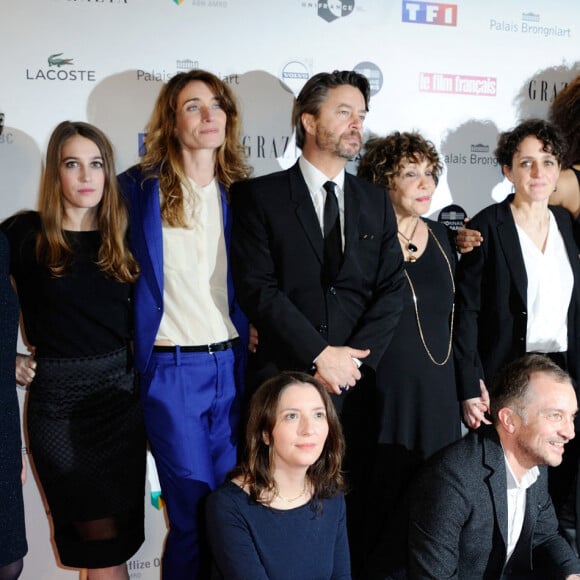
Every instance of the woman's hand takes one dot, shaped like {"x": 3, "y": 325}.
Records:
{"x": 25, "y": 369}
{"x": 23, "y": 470}
{"x": 474, "y": 409}
{"x": 253, "y": 341}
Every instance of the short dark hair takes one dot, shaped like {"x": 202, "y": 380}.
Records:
{"x": 315, "y": 91}
{"x": 324, "y": 475}
{"x": 510, "y": 386}
{"x": 384, "y": 156}
{"x": 565, "y": 114}
{"x": 546, "y": 132}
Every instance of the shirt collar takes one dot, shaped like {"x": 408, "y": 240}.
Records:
{"x": 528, "y": 478}
{"x": 315, "y": 179}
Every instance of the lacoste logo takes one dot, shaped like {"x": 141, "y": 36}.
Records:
{"x": 55, "y": 60}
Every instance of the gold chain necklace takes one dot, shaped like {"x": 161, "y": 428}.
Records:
{"x": 292, "y": 499}
{"x": 419, "y": 327}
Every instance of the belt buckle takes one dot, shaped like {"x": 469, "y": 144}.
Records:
{"x": 210, "y": 347}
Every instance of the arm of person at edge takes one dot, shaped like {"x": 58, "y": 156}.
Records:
{"x": 259, "y": 295}
{"x": 567, "y": 193}
{"x": 467, "y": 239}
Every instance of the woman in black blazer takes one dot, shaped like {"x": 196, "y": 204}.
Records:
{"x": 520, "y": 290}
{"x": 501, "y": 295}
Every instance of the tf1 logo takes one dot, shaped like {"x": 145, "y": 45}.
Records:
{"x": 430, "y": 13}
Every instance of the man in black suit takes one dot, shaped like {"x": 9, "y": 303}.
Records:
{"x": 480, "y": 508}
{"x": 322, "y": 284}
{"x": 305, "y": 314}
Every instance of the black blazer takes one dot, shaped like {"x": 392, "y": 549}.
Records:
{"x": 277, "y": 250}
{"x": 491, "y": 311}
{"x": 459, "y": 517}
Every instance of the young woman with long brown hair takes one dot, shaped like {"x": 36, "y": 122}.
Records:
{"x": 73, "y": 272}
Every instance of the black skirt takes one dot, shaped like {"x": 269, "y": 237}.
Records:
{"x": 87, "y": 440}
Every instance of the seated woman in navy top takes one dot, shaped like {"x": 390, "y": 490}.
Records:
{"x": 281, "y": 514}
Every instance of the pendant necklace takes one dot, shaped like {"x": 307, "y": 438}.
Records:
{"x": 411, "y": 247}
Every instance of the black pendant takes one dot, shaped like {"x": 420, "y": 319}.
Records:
{"x": 411, "y": 247}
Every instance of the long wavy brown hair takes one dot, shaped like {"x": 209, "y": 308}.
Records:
{"x": 255, "y": 470}
{"x": 565, "y": 113}
{"x": 163, "y": 159}
{"x": 52, "y": 248}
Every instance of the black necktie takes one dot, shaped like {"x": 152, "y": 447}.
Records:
{"x": 332, "y": 235}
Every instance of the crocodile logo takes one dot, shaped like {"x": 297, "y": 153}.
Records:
{"x": 55, "y": 60}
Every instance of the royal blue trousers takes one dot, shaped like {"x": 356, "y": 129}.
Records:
{"x": 191, "y": 413}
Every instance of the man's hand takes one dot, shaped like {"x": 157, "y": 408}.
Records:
{"x": 335, "y": 367}
{"x": 474, "y": 409}
{"x": 467, "y": 239}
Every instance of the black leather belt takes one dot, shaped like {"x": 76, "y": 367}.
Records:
{"x": 209, "y": 348}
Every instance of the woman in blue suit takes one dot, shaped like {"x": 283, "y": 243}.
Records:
{"x": 190, "y": 335}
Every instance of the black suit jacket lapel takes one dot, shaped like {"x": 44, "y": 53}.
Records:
{"x": 305, "y": 212}
{"x": 351, "y": 213}
{"x": 494, "y": 461}
{"x": 510, "y": 244}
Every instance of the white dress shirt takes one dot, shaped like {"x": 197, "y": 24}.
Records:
{"x": 550, "y": 283}
{"x": 315, "y": 181}
{"x": 195, "y": 291}
{"x": 516, "y": 502}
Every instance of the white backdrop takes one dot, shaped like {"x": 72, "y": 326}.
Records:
{"x": 460, "y": 73}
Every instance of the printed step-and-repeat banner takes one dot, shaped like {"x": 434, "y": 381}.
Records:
{"x": 458, "y": 72}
